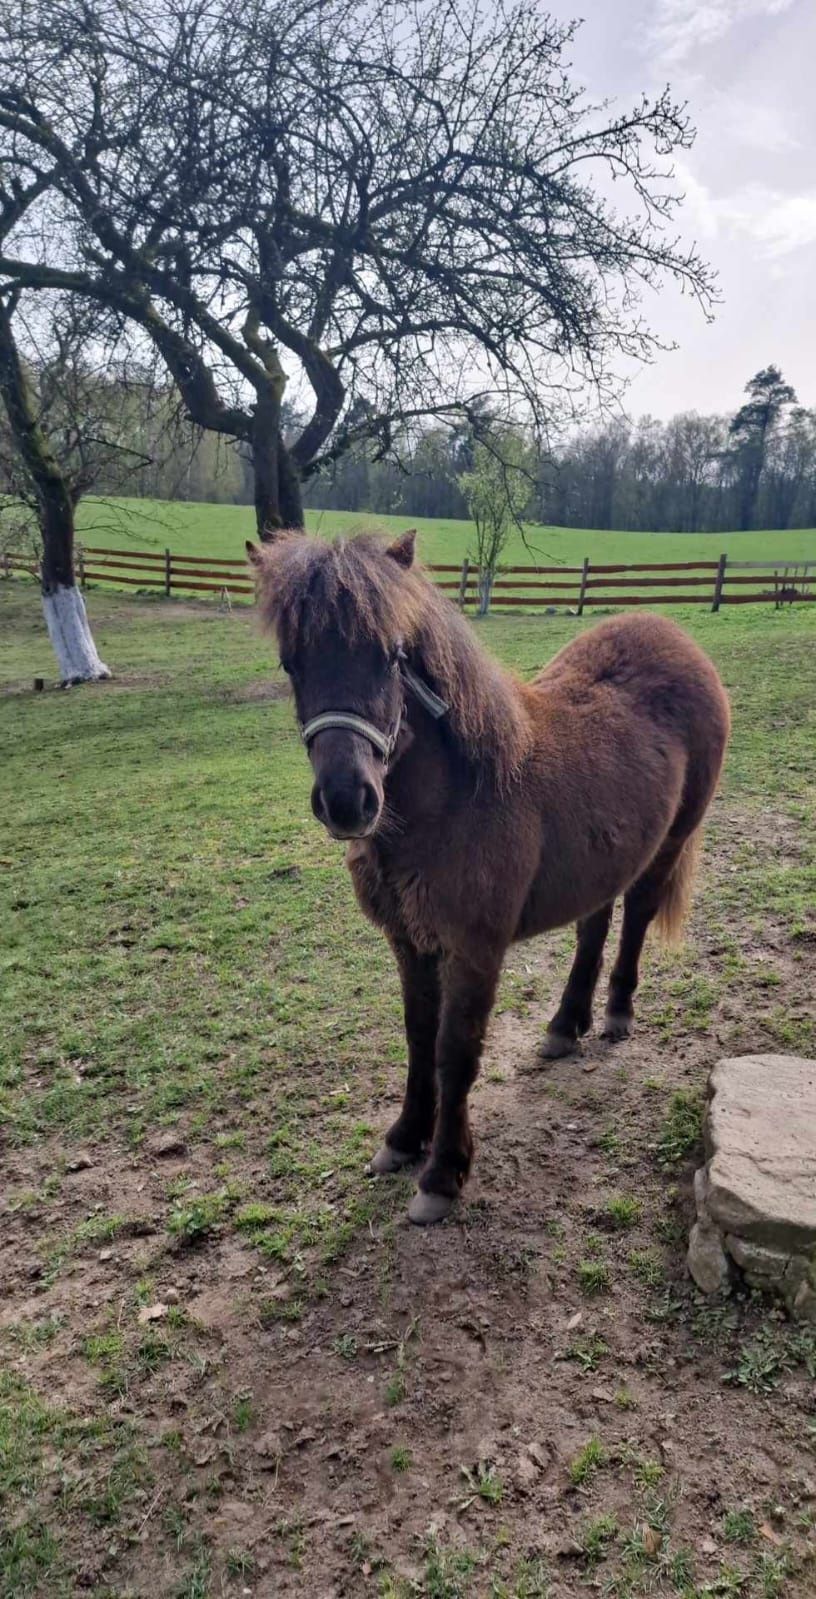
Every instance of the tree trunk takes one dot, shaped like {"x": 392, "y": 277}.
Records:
{"x": 278, "y": 499}
{"x": 63, "y": 603}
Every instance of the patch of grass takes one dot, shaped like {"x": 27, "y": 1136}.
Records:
{"x": 625, "y": 1399}
{"x": 195, "y": 1219}
{"x": 594, "y": 1276}
{"x": 240, "y": 1563}
{"x": 243, "y": 1413}
{"x": 401, "y": 1458}
{"x": 529, "y": 1580}
{"x": 609, "y": 1142}
{"x": 623, "y": 1211}
{"x": 447, "y": 1572}
{"x": 484, "y": 1480}
{"x": 596, "y": 1536}
{"x": 681, "y": 1131}
{"x": 739, "y": 1526}
{"x": 647, "y": 1473}
{"x": 647, "y": 1267}
{"x": 587, "y": 1462}
{"x": 771, "y": 1572}
{"x": 395, "y": 1388}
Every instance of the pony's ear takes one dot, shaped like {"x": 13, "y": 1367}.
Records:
{"x": 402, "y": 549}
{"x": 253, "y": 553}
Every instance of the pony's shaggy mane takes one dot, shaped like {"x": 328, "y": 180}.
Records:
{"x": 354, "y": 587}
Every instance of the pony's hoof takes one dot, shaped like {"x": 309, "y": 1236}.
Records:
{"x": 616, "y": 1026}
{"x": 426, "y": 1209}
{"x": 388, "y": 1160}
{"x": 554, "y": 1045}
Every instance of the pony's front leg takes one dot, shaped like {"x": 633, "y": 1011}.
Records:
{"x": 467, "y": 1000}
{"x": 412, "y": 1131}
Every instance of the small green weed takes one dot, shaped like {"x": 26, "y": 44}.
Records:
{"x": 594, "y": 1276}
{"x": 623, "y": 1211}
{"x": 587, "y": 1352}
{"x": 596, "y": 1536}
{"x": 589, "y": 1461}
{"x": 682, "y": 1128}
{"x": 198, "y": 1217}
{"x": 739, "y": 1526}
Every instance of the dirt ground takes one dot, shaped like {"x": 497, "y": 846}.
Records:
{"x": 418, "y": 1422}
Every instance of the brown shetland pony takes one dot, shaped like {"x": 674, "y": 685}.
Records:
{"x": 482, "y": 809}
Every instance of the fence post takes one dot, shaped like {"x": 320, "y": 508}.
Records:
{"x": 167, "y": 574}
{"x": 718, "y": 583}
{"x": 81, "y": 565}
{"x": 582, "y": 590}
{"x": 463, "y": 581}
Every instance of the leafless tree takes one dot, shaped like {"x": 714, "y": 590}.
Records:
{"x": 398, "y": 208}
{"x": 63, "y": 388}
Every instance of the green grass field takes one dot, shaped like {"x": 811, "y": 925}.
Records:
{"x": 182, "y": 960}
{"x": 220, "y": 530}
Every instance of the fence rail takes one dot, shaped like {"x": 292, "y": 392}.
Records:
{"x": 571, "y": 588}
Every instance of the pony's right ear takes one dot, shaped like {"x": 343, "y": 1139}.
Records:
{"x": 254, "y": 554}
{"x": 402, "y": 549}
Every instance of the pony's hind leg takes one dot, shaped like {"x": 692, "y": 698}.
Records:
{"x": 573, "y": 1017}
{"x": 413, "y": 1129}
{"x": 641, "y": 904}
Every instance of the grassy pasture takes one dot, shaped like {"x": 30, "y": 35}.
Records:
{"x": 226, "y": 1363}
{"x": 220, "y": 530}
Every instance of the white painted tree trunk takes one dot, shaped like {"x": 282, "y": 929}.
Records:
{"x": 71, "y": 637}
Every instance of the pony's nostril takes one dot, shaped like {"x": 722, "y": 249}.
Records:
{"x": 318, "y": 806}
{"x": 369, "y": 801}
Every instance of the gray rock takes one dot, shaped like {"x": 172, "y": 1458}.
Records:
{"x": 707, "y": 1260}
{"x": 767, "y": 1266}
{"x": 756, "y": 1195}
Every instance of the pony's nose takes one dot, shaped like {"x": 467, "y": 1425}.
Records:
{"x": 345, "y": 807}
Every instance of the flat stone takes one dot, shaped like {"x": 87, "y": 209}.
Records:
{"x": 756, "y": 1260}
{"x": 756, "y": 1195}
{"x": 761, "y": 1140}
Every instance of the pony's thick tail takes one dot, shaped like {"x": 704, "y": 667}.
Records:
{"x": 676, "y": 901}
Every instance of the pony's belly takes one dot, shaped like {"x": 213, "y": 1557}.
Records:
{"x": 555, "y": 900}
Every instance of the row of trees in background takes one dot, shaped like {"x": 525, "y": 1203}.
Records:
{"x": 693, "y": 473}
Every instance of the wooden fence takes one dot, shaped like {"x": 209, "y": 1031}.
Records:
{"x": 527, "y": 588}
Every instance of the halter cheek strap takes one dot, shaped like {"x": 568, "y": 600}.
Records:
{"x": 384, "y": 743}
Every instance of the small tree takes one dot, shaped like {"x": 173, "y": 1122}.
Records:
{"x": 67, "y": 428}
{"x": 497, "y": 491}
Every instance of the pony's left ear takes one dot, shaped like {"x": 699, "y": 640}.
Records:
{"x": 402, "y": 549}
{"x": 254, "y": 554}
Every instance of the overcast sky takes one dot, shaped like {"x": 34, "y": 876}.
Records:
{"x": 746, "y": 68}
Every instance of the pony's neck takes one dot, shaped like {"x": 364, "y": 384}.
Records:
{"x": 486, "y": 718}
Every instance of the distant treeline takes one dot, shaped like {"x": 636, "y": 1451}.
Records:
{"x": 693, "y": 473}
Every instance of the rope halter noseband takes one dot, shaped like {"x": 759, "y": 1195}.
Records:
{"x": 384, "y": 743}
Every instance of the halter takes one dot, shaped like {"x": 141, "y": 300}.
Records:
{"x": 384, "y": 743}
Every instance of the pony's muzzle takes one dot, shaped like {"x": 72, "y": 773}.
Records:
{"x": 348, "y": 807}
